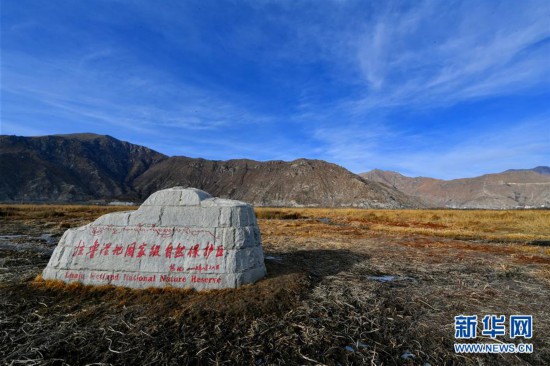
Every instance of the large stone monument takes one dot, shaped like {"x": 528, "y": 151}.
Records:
{"x": 179, "y": 237}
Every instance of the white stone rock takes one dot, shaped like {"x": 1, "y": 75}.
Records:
{"x": 114, "y": 219}
{"x": 239, "y": 237}
{"x": 193, "y": 197}
{"x": 244, "y": 237}
{"x": 177, "y": 196}
{"x": 146, "y": 216}
{"x": 179, "y": 237}
{"x": 225, "y": 216}
{"x": 242, "y": 260}
{"x": 192, "y": 216}
{"x": 55, "y": 259}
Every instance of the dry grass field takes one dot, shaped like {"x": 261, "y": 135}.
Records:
{"x": 489, "y": 225}
{"x": 344, "y": 286}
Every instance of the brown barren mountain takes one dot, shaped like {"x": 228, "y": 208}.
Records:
{"x": 521, "y": 188}
{"x": 300, "y": 182}
{"x": 87, "y": 167}
{"x": 69, "y": 168}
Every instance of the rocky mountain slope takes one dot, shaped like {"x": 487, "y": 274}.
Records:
{"x": 515, "y": 188}
{"x": 78, "y": 167}
{"x": 300, "y": 182}
{"x": 84, "y": 167}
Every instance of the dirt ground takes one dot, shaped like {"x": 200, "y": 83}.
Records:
{"x": 338, "y": 292}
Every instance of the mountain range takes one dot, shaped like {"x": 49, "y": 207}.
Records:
{"x": 514, "y": 188}
{"x": 96, "y": 168}
{"x": 88, "y": 167}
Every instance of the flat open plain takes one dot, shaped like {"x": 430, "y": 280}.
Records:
{"x": 344, "y": 286}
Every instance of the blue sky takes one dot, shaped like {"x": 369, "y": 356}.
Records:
{"x": 445, "y": 89}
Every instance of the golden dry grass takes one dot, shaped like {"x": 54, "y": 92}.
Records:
{"x": 505, "y": 225}
{"x": 320, "y": 304}
{"x": 513, "y": 226}
{"x": 490, "y": 225}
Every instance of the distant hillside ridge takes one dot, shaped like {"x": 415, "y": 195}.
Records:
{"x": 538, "y": 169}
{"x": 514, "y": 188}
{"x": 71, "y": 168}
{"x": 90, "y": 167}
{"x": 300, "y": 182}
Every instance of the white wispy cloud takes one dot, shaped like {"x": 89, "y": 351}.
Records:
{"x": 136, "y": 100}
{"x": 433, "y": 54}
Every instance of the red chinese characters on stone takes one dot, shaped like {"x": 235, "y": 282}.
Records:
{"x": 173, "y": 268}
{"x": 79, "y": 249}
{"x": 142, "y": 249}
{"x": 134, "y": 250}
{"x": 168, "y": 251}
{"x": 198, "y": 268}
{"x": 193, "y": 251}
{"x": 92, "y": 249}
{"x": 130, "y": 250}
{"x": 208, "y": 250}
{"x": 119, "y": 249}
{"x": 105, "y": 249}
{"x": 179, "y": 251}
{"x": 155, "y": 251}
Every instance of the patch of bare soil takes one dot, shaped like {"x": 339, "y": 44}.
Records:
{"x": 335, "y": 294}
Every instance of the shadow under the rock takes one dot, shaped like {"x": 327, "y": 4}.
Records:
{"x": 316, "y": 263}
